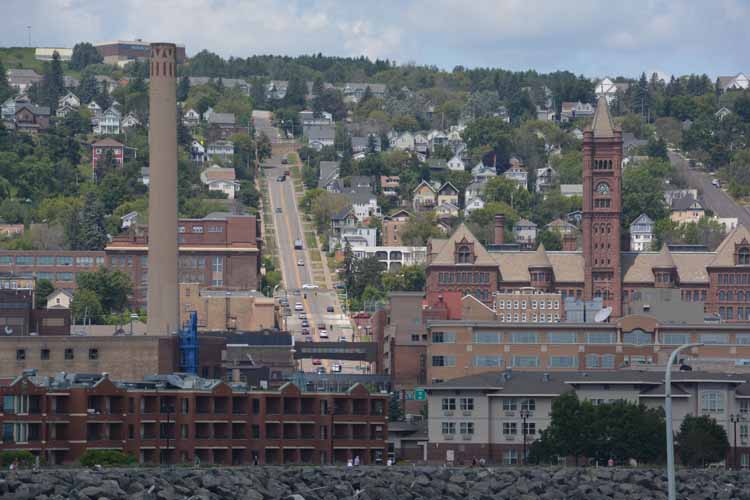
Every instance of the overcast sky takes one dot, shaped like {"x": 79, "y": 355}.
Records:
{"x": 592, "y": 37}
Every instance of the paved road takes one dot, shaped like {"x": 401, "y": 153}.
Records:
{"x": 263, "y": 124}
{"x": 713, "y": 198}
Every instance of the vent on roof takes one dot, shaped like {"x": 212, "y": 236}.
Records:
{"x": 508, "y": 374}
{"x": 546, "y": 377}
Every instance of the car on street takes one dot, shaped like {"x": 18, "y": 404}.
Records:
{"x": 320, "y": 370}
{"x": 342, "y": 339}
{"x": 317, "y": 362}
{"x": 284, "y": 161}
{"x": 305, "y": 331}
{"x": 305, "y": 323}
{"x": 278, "y": 210}
{"x": 298, "y": 244}
{"x": 309, "y": 286}
{"x": 296, "y": 292}
{"x": 715, "y": 183}
{"x": 329, "y": 309}
{"x": 309, "y": 339}
{"x": 323, "y": 334}
{"x": 336, "y": 368}
{"x": 299, "y": 307}
{"x": 302, "y": 315}
{"x": 281, "y": 178}
{"x": 301, "y": 262}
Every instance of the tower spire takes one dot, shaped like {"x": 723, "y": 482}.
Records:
{"x": 602, "y": 126}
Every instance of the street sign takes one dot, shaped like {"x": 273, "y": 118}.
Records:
{"x": 420, "y": 395}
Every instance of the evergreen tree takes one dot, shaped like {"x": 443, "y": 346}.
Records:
{"x": 5, "y": 89}
{"x": 84, "y": 54}
{"x": 296, "y": 91}
{"x": 53, "y": 84}
{"x": 640, "y": 102}
{"x": 87, "y": 89}
{"x": 183, "y": 89}
{"x": 395, "y": 413}
{"x": 318, "y": 87}
{"x": 44, "y": 288}
{"x": 93, "y": 229}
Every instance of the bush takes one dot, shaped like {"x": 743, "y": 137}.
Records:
{"x": 106, "y": 458}
{"x": 24, "y": 458}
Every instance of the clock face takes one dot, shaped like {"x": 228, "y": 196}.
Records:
{"x": 602, "y": 188}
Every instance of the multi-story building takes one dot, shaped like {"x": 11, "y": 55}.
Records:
{"x": 222, "y": 310}
{"x": 58, "y": 266}
{"x": 641, "y": 233}
{"x": 529, "y": 305}
{"x": 393, "y": 258}
{"x": 100, "y": 149}
{"x": 181, "y": 419}
{"x": 497, "y": 415}
{"x": 107, "y": 123}
{"x": 123, "y": 51}
{"x": 393, "y": 227}
{"x": 222, "y": 151}
{"x": 220, "y": 250}
{"x": 720, "y": 279}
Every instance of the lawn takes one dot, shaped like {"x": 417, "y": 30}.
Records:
{"x": 23, "y": 57}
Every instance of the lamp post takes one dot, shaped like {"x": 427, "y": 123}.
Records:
{"x": 672, "y": 492}
{"x": 524, "y": 416}
{"x": 735, "y": 419}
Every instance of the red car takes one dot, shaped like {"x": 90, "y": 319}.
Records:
{"x": 317, "y": 362}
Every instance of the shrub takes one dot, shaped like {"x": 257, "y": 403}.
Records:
{"x": 23, "y": 457}
{"x": 106, "y": 458}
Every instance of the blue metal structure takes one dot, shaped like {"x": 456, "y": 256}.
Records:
{"x": 188, "y": 341}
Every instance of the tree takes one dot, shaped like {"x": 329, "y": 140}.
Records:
{"x": 420, "y": 228}
{"x": 183, "y": 89}
{"x": 86, "y": 307}
{"x": 111, "y": 288}
{"x": 701, "y": 441}
{"x": 324, "y": 206}
{"x": 84, "y": 54}
{"x": 296, "y": 91}
{"x": 642, "y": 192}
{"x": 406, "y": 279}
{"x": 88, "y": 89}
{"x": 53, "y": 85}
{"x": 5, "y": 89}
{"x": 550, "y": 239}
{"x": 657, "y": 148}
{"x": 93, "y": 235}
{"x": 43, "y": 290}
{"x": 395, "y": 413}
{"x": 249, "y": 195}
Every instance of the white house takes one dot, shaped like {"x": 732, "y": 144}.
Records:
{"x": 59, "y": 299}
{"x": 198, "y": 152}
{"x": 191, "y": 118}
{"x": 641, "y": 234}
{"x": 740, "y": 81}
{"x": 220, "y": 151}
{"x": 221, "y": 179}
{"x": 722, "y": 113}
{"x": 572, "y": 110}
{"x": 128, "y": 219}
{"x": 473, "y": 190}
{"x": 403, "y": 141}
{"x": 517, "y": 173}
{"x": 130, "y": 121}
{"x": 108, "y": 122}
{"x": 481, "y": 173}
{"x": 446, "y": 210}
{"x": 473, "y": 204}
{"x": 356, "y": 237}
{"x": 545, "y": 179}
{"x": 69, "y": 99}
{"x": 608, "y": 89}
{"x": 456, "y": 163}
{"x": 364, "y": 203}
{"x": 94, "y": 108}
{"x": 525, "y": 232}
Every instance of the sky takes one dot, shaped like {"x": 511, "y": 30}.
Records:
{"x": 590, "y": 37}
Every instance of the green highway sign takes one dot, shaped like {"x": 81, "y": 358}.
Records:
{"x": 420, "y": 395}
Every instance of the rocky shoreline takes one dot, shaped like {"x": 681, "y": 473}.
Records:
{"x": 369, "y": 483}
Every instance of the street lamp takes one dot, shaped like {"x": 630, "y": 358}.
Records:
{"x": 524, "y": 415}
{"x": 672, "y": 492}
{"x": 735, "y": 419}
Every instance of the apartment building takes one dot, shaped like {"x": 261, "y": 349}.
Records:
{"x": 180, "y": 418}
{"x": 58, "y": 266}
{"x": 220, "y": 250}
{"x": 529, "y": 305}
{"x": 497, "y": 415}
{"x": 457, "y": 348}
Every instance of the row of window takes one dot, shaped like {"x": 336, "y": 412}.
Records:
{"x": 45, "y": 354}
{"x": 605, "y": 361}
{"x": 736, "y": 278}
{"x": 730, "y": 296}
{"x": 50, "y": 260}
{"x": 533, "y": 318}
{"x": 602, "y": 165}
{"x": 463, "y": 277}
{"x": 198, "y": 229}
{"x": 523, "y": 304}
{"x": 694, "y": 295}
{"x": 635, "y": 337}
{"x": 743, "y": 313}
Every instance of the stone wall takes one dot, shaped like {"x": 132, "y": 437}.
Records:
{"x": 370, "y": 483}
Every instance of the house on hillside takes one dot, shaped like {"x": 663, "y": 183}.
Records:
{"x": 31, "y": 118}
{"x": 130, "y": 121}
{"x": 482, "y": 173}
{"x": 197, "y": 152}
{"x": 107, "y": 123}
{"x": 424, "y": 197}
{"x": 320, "y": 136}
{"x": 223, "y": 125}
{"x": 525, "y": 233}
{"x": 545, "y": 179}
{"x": 221, "y": 179}
{"x": 389, "y": 185}
{"x": 403, "y": 141}
{"x": 393, "y": 225}
{"x": 222, "y": 151}
{"x": 354, "y": 92}
{"x": 517, "y": 173}
{"x": 99, "y": 150}
{"x": 69, "y": 99}
{"x": 447, "y": 193}
{"x": 641, "y": 234}
{"x": 22, "y": 79}
{"x": 456, "y": 163}
{"x": 191, "y": 118}
{"x": 60, "y": 299}
{"x": 569, "y": 111}
{"x": 328, "y": 176}
{"x": 446, "y": 210}
{"x": 608, "y": 89}
{"x": 686, "y": 209}
{"x": 740, "y": 81}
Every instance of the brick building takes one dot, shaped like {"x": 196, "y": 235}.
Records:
{"x": 221, "y": 250}
{"x": 100, "y": 149}
{"x": 176, "y": 418}
{"x": 719, "y": 280}
{"x": 58, "y": 266}
{"x": 221, "y": 310}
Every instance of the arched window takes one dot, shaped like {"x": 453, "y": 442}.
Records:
{"x": 722, "y": 297}
{"x": 740, "y": 296}
{"x": 464, "y": 255}
{"x": 743, "y": 257}
{"x": 730, "y": 296}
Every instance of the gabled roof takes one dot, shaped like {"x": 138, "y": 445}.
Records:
{"x": 686, "y": 203}
{"x": 329, "y": 171}
{"x": 540, "y": 258}
{"x": 445, "y": 255}
{"x": 524, "y": 222}
{"x": 425, "y": 183}
{"x": 725, "y": 251}
{"x": 108, "y": 143}
{"x": 642, "y": 219}
{"x": 221, "y": 118}
{"x": 445, "y": 185}
{"x": 602, "y": 125}
{"x": 216, "y": 173}
{"x": 664, "y": 260}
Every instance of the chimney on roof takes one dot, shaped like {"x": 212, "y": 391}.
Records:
{"x": 499, "y": 229}
{"x": 570, "y": 242}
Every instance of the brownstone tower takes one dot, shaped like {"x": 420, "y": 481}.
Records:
{"x": 602, "y": 209}
{"x": 163, "y": 293}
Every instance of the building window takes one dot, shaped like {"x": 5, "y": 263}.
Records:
{"x": 714, "y": 338}
{"x": 563, "y": 362}
{"x": 600, "y": 338}
{"x": 449, "y": 427}
{"x": 197, "y": 229}
{"x": 464, "y": 255}
{"x": 217, "y": 264}
{"x": 510, "y": 457}
{"x": 443, "y": 338}
{"x": 524, "y": 338}
{"x": 675, "y": 338}
{"x": 487, "y": 337}
{"x": 592, "y": 361}
{"x": 467, "y": 404}
{"x": 69, "y": 353}
{"x": 482, "y": 361}
{"x": 20, "y": 354}
{"x": 526, "y": 361}
{"x": 712, "y": 402}
{"x": 529, "y": 428}
{"x": 528, "y": 405}
{"x": 449, "y": 404}
{"x": 637, "y": 337}
{"x": 466, "y": 428}
{"x": 744, "y": 406}
{"x": 93, "y": 354}
{"x": 415, "y": 337}
{"x": 743, "y": 257}
{"x": 608, "y": 361}
{"x": 509, "y": 405}
{"x": 561, "y": 338}
{"x": 443, "y": 361}
{"x": 44, "y": 354}
{"x": 24, "y": 260}
{"x": 510, "y": 428}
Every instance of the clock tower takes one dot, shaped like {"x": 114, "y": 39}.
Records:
{"x": 602, "y": 209}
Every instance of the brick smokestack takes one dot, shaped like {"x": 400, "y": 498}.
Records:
{"x": 570, "y": 242}
{"x": 163, "y": 309}
{"x": 499, "y": 229}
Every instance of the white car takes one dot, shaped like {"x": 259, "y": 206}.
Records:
{"x": 323, "y": 334}
{"x": 298, "y": 307}
{"x": 309, "y": 286}
{"x": 336, "y": 368}
{"x": 300, "y": 262}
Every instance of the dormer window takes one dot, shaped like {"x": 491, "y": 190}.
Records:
{"x": 464, "y": 255}
{"x": 743, "y": 256}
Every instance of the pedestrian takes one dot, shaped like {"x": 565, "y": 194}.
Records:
{"x": 197, "y": 461}
{"x": 255, "y": 459}
{"x": 356, "y": 460}
{"x": 482, "y": 462}
{"x": 474, "y": 462}
{"x": 610, "y": 463}
{"x": 349, "y": 463}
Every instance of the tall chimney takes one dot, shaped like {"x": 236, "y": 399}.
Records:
{"x": 499, "y": 229}
{"x": 163, "y": 309}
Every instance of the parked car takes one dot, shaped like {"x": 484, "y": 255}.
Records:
{"x": 281, "y": 178}
{"x": 329, "y": 309}
{"x": 301, "y": 262}
{"x": 285, "y": 161}
{"x": 299, "y": 307}
{"x": 298, "y": 244}
{"x": 305, "y": 323}
{"x": 336, "y": 368}
{"x": 309, "y": 286}
{"x": 305, "y": 331}
{"x": 317, "y": 362}
{"x": 323, "y": 334}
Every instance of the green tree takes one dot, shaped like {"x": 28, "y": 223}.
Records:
{"x": 5, "y": 89}
{"x": 86, "y": 307}
{"x": 249, "y": 195}
{"x": 507, "y": 191}
{"x": 93, "y": 234}
{"x": 406, "y": 279}
{"x": 111, "y": 288}
{"x": 84, "y": 54}
{"x": 551, "y": 240}
{"x": 490, "y": 135}
{"x": 419, "y": 228}
{"x": 296, "y": 91}
{"x": 183, "y": 89}
{"x": 570, "y": 426}
{"x": 43, "y": 290}
{"x": 701, "y": 441}
{"x": 395, "y": 413}
{"x": 87, "y": 89}
{"x": 324, "y": 206}
{"x": 642, "y": 192}
{"x": 53, "y": 86}
{"x": 657, "y": 148}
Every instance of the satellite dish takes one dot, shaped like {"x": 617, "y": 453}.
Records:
{"x": 8, "y": 330}
{"x": 603, "y": 315}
